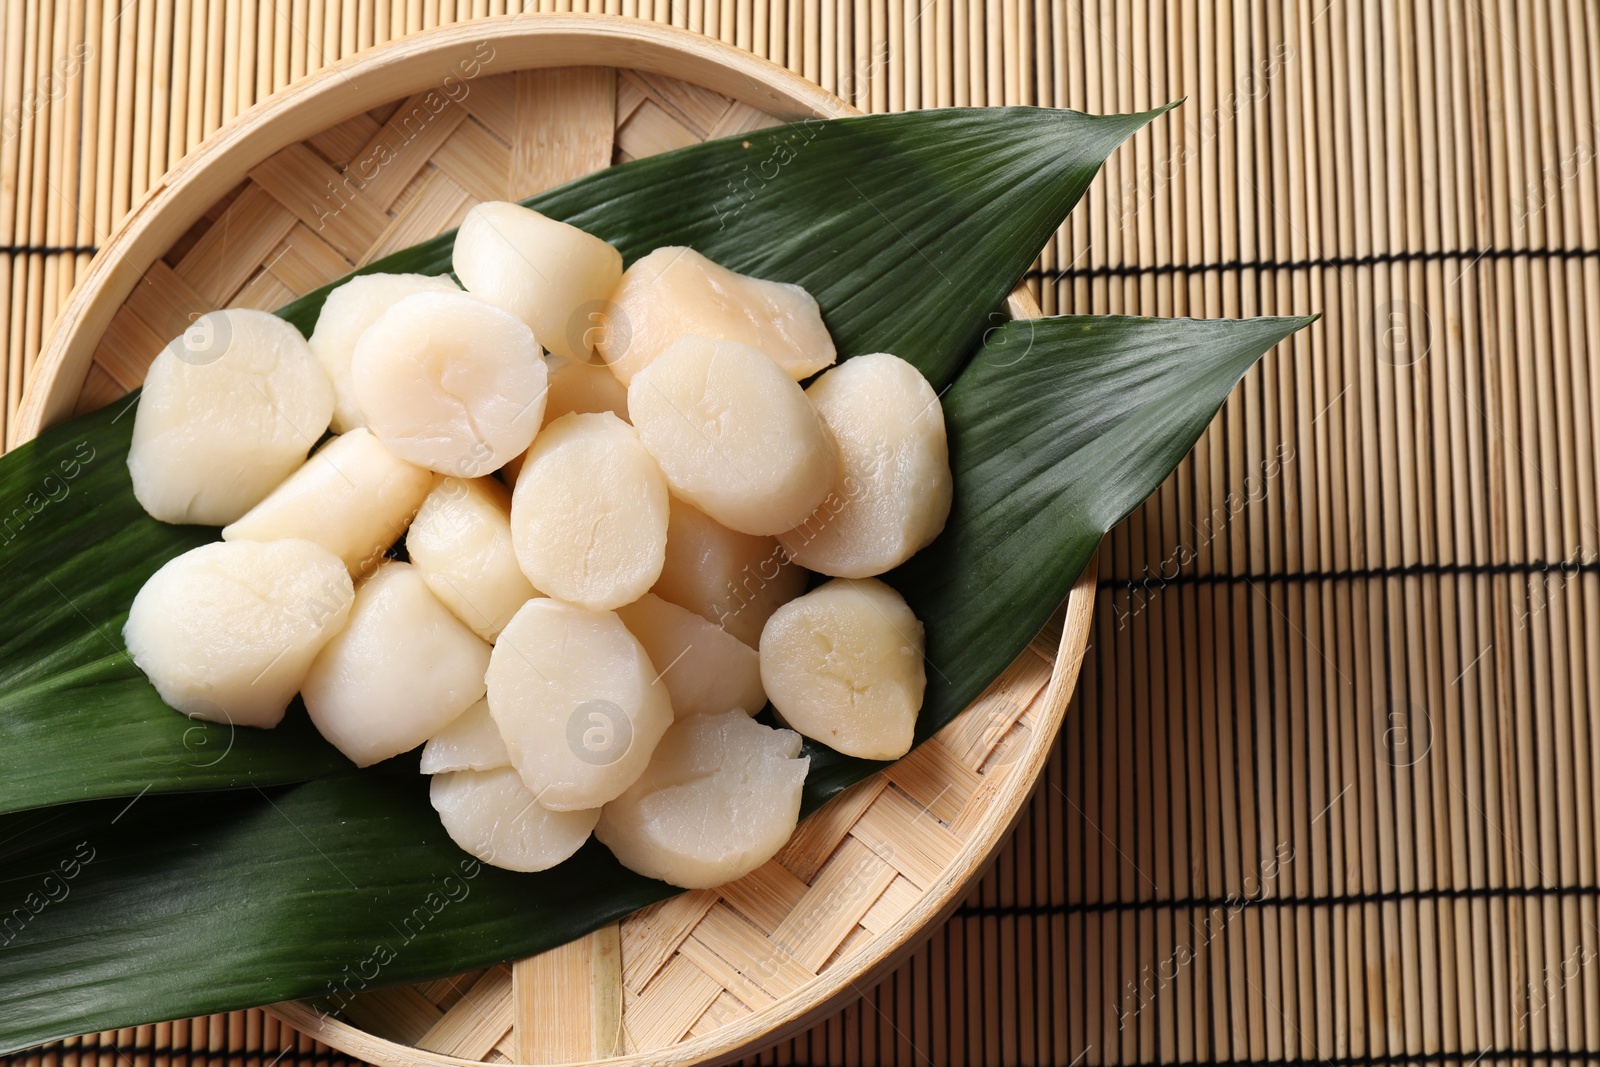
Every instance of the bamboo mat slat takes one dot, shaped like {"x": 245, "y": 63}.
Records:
{"x": 1327, "y": 790}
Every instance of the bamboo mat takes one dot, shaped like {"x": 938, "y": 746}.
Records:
{"x": 1327, "y": 790}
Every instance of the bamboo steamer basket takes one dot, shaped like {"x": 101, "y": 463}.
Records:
{"x": 387, "y": 149}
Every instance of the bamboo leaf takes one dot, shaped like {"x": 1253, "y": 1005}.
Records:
{"x": 909, "y": 229}
{"x": 1059, "y": 428}
{"x": 77, "y": 719}
{"x": 321, "y": 890}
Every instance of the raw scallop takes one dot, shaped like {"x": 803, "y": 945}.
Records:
{"x": 450, "y": 382}
{"x": 345, "y": 316}
{"x": 733, "y": 435}
{"x": 461, "y": 544}
{"x": 229, "y": 410}
{"x": 893, "y": 492}
{"x": 554, "y": 277}
{"x": 589, "y": 514}
{"x": 469, "y": 742}
{"x": 401, "y": 669}
{"x": 705, "y": 669}
{"x": 492, "y": 815}
{"x": 353, "y": 497}
{"x": 732, "y": 579}
{"x": 577, "y": 702}
{"x": 843, "y": 665}
{"x": 582, "y": 387}
{"x": 226, "y": 632}
{"x": 676, "y": 292}
{"x": 719, "y": 799}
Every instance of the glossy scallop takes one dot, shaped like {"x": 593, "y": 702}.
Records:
{"x": 577, "y": 702}
{"x": 893, "y": 491}
{"x": 353, "y": 497}
{"x": 493, "y": 816}
{"x": 228, "y": 410}
{"x": 450, "y": 382}
{"x": 469, "y": 742}
{"x": 552, "y": 276}
{"x": 461, "y": 544}
{"x": 733, "y": 435}
{"x": 589, "y": 513}
{"x": 719, "y": 799}
{"x": 675, "y": 292}
{"x": 705, "y": 669}
{"x": 843, "y": 665}
{"x": 402, "y": 668}
{"x": 227, "y": 632}
{"x": 733, "y": 579}
{"x": 345, "y": 316}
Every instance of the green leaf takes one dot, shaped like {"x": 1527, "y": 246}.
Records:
{"x": 909, "y": 229}
{"x": 1058, "y": 429}
{"x": 77, "y": 718}
{"x": 1097, "y": 412}
{"x": 170, "y": 909}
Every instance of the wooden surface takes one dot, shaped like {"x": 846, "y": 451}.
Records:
{"x": 1327, "y": 790}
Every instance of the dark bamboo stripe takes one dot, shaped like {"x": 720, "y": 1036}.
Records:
{"x": 131, "y": 1052}
{"x": 47, "y": 250}
{"x": 1396, "y": 1060}
{"x": 1377, "y": 259}
{"x": 1439, "y": 895}
{"x": 289, "y": 1059}
{"x": 1153, "y": 582}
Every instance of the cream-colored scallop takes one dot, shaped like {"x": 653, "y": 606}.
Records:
{"x": 353, "y": 497}
{"x": 469, "y": 742}
{"x": 493, "y": 816}
{"x": 552, "y": 276}
{"x": 401, "y": 669}
{"x": 461, "y": 544}
{"x": 582, "y": 387}
{"x": 892, "y": 496}
{"x": 345, "y": 316}
{"x": 843, "y": 665}
{"x": 450, "y": 382}
{"x": 577, "y": 703}
{"x": 732, "y": 579}
{"x": 705, "y": 669}
{"x": 719, "y": 799}
{"x": 229, "y": 409}
{"x": 226, "y": 632}
{"x": 675, "y": 292}
{"x": 733, "y": 435}
{"x": 589, "y": 513}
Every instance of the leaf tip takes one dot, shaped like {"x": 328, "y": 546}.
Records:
{"x": 1139, "y": 120}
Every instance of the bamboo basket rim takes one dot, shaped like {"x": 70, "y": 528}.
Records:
{"x": 393, "y": 71}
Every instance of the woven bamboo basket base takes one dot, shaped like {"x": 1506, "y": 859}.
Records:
{"x": 707, "y": 960}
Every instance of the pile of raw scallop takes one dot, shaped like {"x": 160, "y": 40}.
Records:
{"x": 562, "y": 534}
